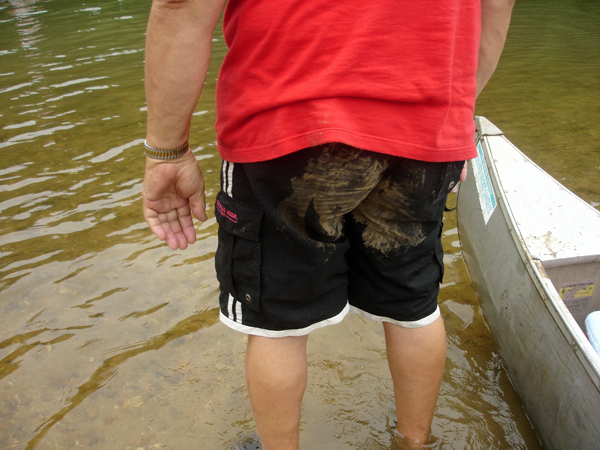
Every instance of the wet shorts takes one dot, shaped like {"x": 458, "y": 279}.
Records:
{"x": 309, "y": 236}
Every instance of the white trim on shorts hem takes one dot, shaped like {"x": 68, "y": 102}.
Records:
{"x": 284, "y": 333}
{"x": 416, "y": 324}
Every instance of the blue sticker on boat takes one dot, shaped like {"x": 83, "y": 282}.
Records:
{"x": 487, "y": 199}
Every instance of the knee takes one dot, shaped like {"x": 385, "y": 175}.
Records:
{"x": 278, "y": 362}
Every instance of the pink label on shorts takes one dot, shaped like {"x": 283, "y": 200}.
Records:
{"x": 226, "y": 213}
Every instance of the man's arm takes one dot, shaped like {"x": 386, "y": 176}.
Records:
{"x": 495, "y": 19}
{"x": 178, "y": 48}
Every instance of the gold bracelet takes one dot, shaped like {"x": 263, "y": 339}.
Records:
{"x": 156, "y": 153}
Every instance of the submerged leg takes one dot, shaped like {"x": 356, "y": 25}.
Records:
{"x": 276, "y": 377}
{"x": 417, "y": 358}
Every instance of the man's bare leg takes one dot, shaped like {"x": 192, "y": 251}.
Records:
{"x": 417, "y": 358}
{"x": 276, "y": 378}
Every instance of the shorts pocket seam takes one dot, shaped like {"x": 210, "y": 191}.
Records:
{"x": 238, "y": 257}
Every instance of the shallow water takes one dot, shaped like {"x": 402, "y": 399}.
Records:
{"x": 109, "y": 340}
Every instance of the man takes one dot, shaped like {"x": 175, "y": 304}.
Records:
{"x": 343, "y": 126}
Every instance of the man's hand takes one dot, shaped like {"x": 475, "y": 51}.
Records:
{"x": 463, "y": 174}
{"x": 172, "y": 191}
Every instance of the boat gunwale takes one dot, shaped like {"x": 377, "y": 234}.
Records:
{"x": 571, "y": 331}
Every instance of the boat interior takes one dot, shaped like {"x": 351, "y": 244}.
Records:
{"x": 577, "y": 286}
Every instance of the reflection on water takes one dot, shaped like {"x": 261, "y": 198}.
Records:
{"x": 110, "y": 340}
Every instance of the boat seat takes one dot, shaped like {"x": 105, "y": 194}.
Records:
{"x": 592, "y": 327}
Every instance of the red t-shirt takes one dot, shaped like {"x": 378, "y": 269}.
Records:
{"x": 390, "y": 76}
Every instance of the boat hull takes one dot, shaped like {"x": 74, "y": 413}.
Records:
{"x": 550, "y": 367}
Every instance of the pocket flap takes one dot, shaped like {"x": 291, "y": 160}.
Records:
{"x": 239, "y": 218}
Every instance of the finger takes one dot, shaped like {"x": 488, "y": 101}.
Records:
{"x": 153, "y": 222}
{"x": 180, "y": 242}
{"x": 182, "y": 226}
{"x": 164, "y": 233}
{"x": 175, "y": 237}
{"x": 187, "y": 226}
{"x": 173, "y": 242}
{"x": 159, "y": 231}
{"x": 159, "y": 224}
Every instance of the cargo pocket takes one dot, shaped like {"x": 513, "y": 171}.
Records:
{"x": 238, "y": 256}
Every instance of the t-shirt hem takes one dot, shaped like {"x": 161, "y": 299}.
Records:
{"x": 371, "y": 143}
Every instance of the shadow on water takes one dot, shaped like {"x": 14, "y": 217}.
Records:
{"x": 110, "y": 340}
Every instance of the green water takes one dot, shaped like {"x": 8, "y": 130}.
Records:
{"x": 109, "y": 340}
{"x": 545, "y": 94}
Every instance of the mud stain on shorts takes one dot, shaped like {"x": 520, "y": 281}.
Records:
{"x": 333, "y": 185}
{"x": 389, "y": 204}
{"x": 385, "y": 225}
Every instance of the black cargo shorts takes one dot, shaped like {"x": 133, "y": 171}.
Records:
{"x": 307, "y": 237}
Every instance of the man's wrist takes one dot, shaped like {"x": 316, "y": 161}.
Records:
{"x": 165, "y": 154}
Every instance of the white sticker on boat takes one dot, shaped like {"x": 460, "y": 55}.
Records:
{"x": 577, "y": 296}
{"x": 487, "y": 199}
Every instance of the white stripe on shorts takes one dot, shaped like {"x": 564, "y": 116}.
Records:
{"x": 234, "y": 310}
{"x": 227, "y": 175}
{"x": 238, "y": 311}
{"x": 230, "y": 302}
